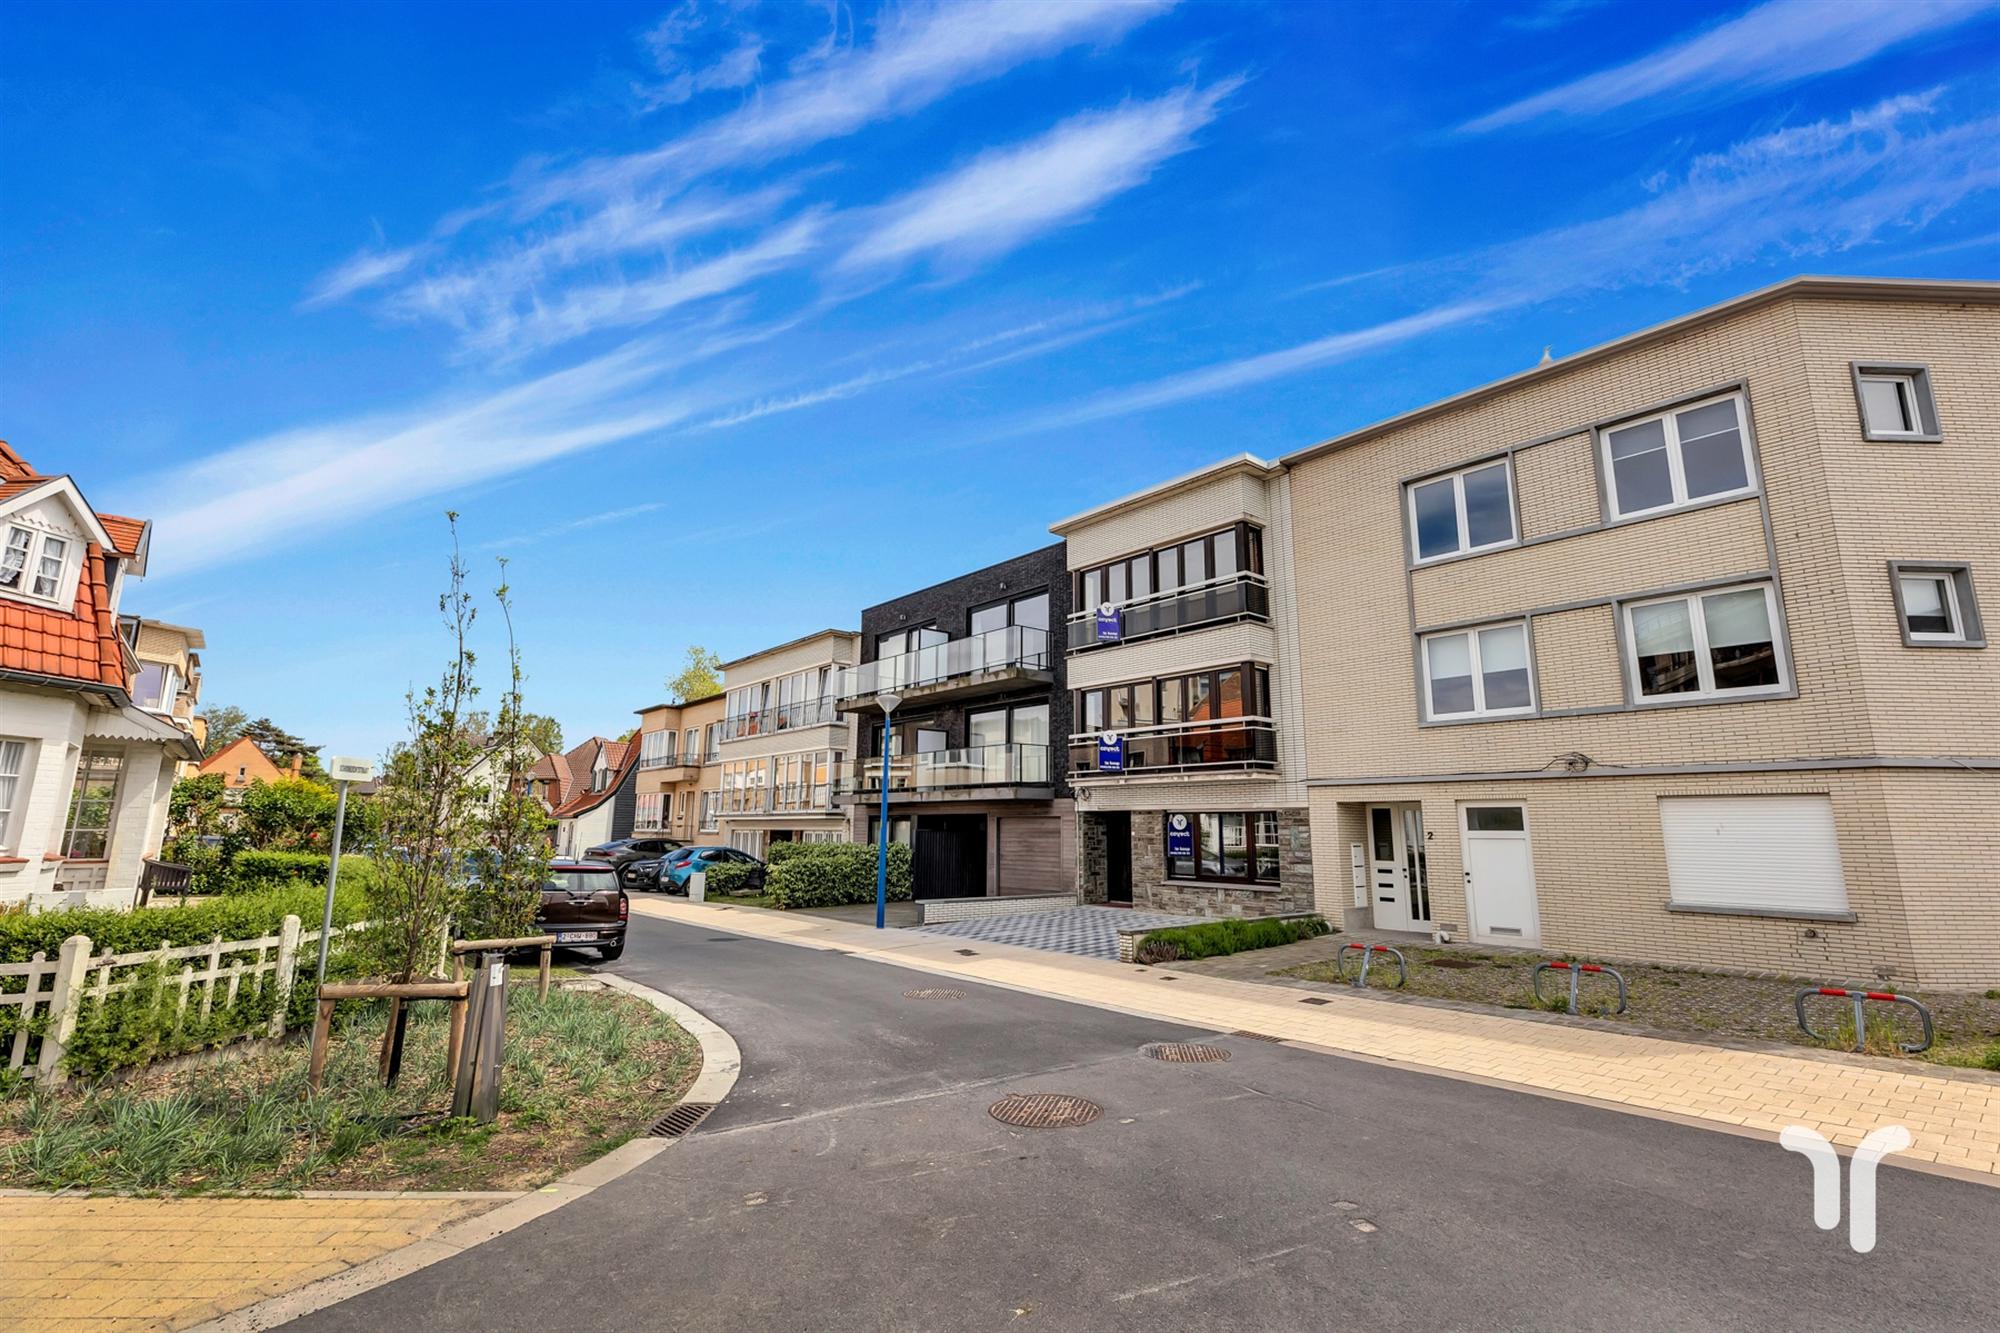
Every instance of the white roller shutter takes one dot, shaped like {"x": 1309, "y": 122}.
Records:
{"x": 1771, "y": 854}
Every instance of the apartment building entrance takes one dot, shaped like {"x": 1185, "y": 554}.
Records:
{"x": 948, "y": 859}
{"x": 1399, "y": 867}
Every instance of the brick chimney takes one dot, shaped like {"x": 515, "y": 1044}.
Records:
{"x": 298, "y": 763}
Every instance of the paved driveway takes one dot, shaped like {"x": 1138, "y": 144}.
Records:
{"x": 1089, "y": 931}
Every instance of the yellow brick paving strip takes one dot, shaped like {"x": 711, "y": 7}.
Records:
{"x": 1953, "y": 1121}
{"x": 106, "y": 1265}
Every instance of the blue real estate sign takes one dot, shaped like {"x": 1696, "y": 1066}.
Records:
{"x": 1110, "y": 752}
{"x": 1110, "y": 623}
{"x": 1180, "y": 838}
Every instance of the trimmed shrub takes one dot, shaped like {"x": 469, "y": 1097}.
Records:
{"x": 1213, "y": 939}
{"x": 784, "y": 851}
{"x": 241, "y": 917}
{"x": 260, "y": 872}
{"x": 727, "y": 877}
{"x": 828, "y": 874}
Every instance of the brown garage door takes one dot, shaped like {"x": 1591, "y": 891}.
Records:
{"x": 1031, "y": 856}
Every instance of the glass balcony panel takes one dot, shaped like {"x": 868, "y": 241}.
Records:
{"x": 1021, "y": 647}
{"x": 1242, "y": 596}
{"x": 1232, "y": 743}
{"x": 1015, "y": 765}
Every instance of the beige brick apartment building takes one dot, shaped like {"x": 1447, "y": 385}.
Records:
{"x": 1670, "y": 649}
{"x": 783, "y": 743}
{"x": 680, "y": 777}
{"x": 1187, "y": 753}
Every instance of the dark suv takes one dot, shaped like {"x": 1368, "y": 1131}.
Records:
{"x": 582, "y": 905}
{"x": 622, "y": 852}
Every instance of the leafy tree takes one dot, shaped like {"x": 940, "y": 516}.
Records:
{"x": 280, "y": 745}
{"x": 289, "y": 815}
{"x": 201, "y": 837}
{"x": 537, "y": 730}
{"x": 504, "y": 901}
{"x": 225, "y": 724}
{"x": 700, "y": 678}
{"x": 430, "y": 814}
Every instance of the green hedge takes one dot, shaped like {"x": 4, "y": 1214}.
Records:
{"x": 258, "y": 872}
{"x": 782, "y": 852}
{"x": 1216, "y": 938}
{"x": 242, "y": 917}
{"x": 727, "y": 877}
{"x": 828, "y": 874}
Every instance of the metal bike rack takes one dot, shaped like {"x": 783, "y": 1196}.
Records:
{"x": 1860, "y": 999}
{"x": 1368, "y": 952}
{"x": 1576, "y": 971}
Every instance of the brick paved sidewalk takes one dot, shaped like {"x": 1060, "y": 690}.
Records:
{"x": 1953, "y": 1117}
{"x": 107, "y": 1265}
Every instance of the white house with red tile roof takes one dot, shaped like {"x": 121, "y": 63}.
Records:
{"x": 592, "y": 791}
{"x": 85, "y": 771}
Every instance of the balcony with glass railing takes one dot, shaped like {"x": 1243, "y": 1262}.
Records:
{"x": 1230, "y": 744}
{"x": 1234, "y": 597}
{"x": 1021, "y": 768}
{"x": 979, "y": 664}
{"x": 818, "y": 712}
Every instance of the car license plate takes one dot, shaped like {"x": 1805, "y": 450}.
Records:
{"x": 575, "y": 936}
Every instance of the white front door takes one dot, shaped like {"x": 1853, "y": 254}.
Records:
{"x": 1398, "y": 870}
{"x": 1499, "y": 874}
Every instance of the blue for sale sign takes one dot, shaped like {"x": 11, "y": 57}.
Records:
{"x": 1110, "y": 753}
{"x": 1110, "y": 623}
{"x": 1180, "y": 837}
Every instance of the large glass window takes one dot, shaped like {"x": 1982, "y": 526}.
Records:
{"x": 1231, "y": 846}
{"x": 92, "y": 804}
{"x": 1477, "y": 672}
{"x": 155, "y": 686}
{"x": 1215, "y": 555}
{"x": 1710, "y": 644}
{"x": 1472, "y": 510}
{"x": 13, "y": 791}
{"x": 1678, "y": 458}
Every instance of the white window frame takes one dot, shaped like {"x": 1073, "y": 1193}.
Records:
{"x": 18, "y": 790}
{"x": 1457, "y": 479}
{"x": 1676, "y": 473}
{"x": 31, "y": 568}
{"x": 1703, "y": 661}
{"x": 170, "y": 680}
{"x": 1961, "y": 603}
{"x": 1479, "y": 708}
{"x": 1913, "y": 385}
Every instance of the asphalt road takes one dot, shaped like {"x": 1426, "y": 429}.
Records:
{"x": 854, "y": 1180}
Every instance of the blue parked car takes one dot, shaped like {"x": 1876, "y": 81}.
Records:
{"x": 671, "y": 871}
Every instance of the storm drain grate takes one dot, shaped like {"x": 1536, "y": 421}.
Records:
{"x": 967, "y": 953}
{"x": 680, "y": 1120}
{"x": 1258, "y": 1036}
{"x": 933, "y": 993}
{"x": 1315, "y": 999}
{"x": 1044, "y": 1110}
{"x": 1185, "y": 1052}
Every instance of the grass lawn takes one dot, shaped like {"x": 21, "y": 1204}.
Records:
{"x": 1710, "y": 1003}
{"x": 585, "y": 1071}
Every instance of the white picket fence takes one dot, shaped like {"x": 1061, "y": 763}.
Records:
{"x": 76, "y": 978}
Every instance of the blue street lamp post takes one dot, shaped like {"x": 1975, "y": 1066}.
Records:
{"x": 888, "y": 702}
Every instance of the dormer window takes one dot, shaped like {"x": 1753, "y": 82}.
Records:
{"x": 156, "y": 686}
{"x": 33, "y": 564}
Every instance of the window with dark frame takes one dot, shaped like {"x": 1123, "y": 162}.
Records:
{"x": 1238, "y": 549}
{"x": 1230, "y": 847}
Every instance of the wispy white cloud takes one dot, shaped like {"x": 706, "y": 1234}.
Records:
{"x": 1779, "y": 42}
{"x": 1007, "y": 195}
{"x": 596, "y": 519}
{"x": 365, "y": 269}
{"x": 1806, "y": 191}
{"x": 1550, "y": 14}
{"x": 268, "y": 491}
{"x": 919, "y": 55}
{"x": 697, "y": 48}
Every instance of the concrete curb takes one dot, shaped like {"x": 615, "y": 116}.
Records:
{"x": 721, "y": 1063}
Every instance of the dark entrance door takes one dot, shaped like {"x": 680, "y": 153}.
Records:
{"x": 1118, "y": 859}
{"x": 949, "y": 857}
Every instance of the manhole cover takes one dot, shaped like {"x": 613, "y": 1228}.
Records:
{"x": 1455, "y": 963}
{"x": 1185, "y": 1052}
{"x": 933, "y": 993}
{"x": 1045, "y": 1110}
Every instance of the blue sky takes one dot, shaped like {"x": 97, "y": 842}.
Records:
{"x": 724, "y": 321}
